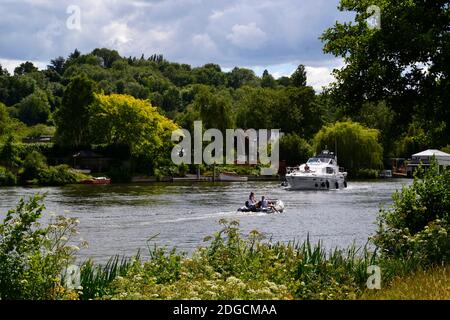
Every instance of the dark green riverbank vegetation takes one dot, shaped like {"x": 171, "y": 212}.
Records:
{"x": 412, "y": 238}
{"x": 390, "y": 99}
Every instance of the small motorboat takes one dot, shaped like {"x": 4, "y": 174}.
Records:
{"x": 97, "y": 181}
{"x": 275, "y": 206}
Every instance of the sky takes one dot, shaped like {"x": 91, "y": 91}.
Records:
{"x": 276, "y": 35}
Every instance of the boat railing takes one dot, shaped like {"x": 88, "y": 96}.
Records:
{"x": 292, "y": 169}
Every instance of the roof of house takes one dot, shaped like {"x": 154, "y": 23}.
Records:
{"x": 430, "y": 153}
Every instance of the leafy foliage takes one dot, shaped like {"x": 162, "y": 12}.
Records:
{"x": 32, "y": 257}
{"x": 418, "y": 223}
{"x": 358, "y": 146}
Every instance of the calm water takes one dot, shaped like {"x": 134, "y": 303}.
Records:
{"x": 118, "y": 219}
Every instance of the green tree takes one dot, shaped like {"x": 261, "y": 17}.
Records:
{"x": 34, "y": 109}
{"x": 214, "y": 109}
{"x": 124, "y": 120}
{"x": 298, "y": 78}
{"x": 294, "y": 149}
{"x": 9, "y": 154}
{"x": 358, "y": 147}
{"x": 267, "y": 80}
{"x": 239, "y": 77}
{"x": 72, "y": 118}
{"x": 57, "y": 65}
{"x": 5, "y": 120}
{"x": 3, "y": 72}
{"x": 404, "y": 62}
{"x": 25, "y": 68}
{"x": 256, "y": 107}
{"x": 298, "y": 111}
{"x": 108, "y": 56}
{"x": 209, "y": 74}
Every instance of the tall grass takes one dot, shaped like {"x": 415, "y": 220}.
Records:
{"x": 94, "y": 279}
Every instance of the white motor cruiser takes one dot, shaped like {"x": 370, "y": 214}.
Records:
{"x": 320, "y": 172}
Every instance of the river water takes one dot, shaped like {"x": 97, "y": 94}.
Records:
{"x": 118, "y": 219}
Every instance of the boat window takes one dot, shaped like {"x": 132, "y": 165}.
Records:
{"x": 313, "y": 160}
{"x": 330, "y": 170}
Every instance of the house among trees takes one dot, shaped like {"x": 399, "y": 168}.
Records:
{"x": 424, "y": 158}
{"x": 89, "y": 160}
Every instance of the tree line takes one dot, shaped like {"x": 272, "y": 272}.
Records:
{"x": 391, "y": 98}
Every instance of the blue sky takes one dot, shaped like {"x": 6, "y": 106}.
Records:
{"x": 259, "y": 34}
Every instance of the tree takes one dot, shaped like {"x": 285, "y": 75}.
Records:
{"x": 358, "y": 147}
{"x": 123, "y": 120}
{"x": 214, "y": 109}
{"x": 297, "y": 111}
{"x": 256, "y": 108}
{"x": 239, "y": 77}
{"x": 4, "y": 119}
{"x": 108, "y": 56}
{"x": 14, "y": 89}
{"x": 72, "y": 118}
{"x": 404, "y": 62}
{"x": 9, "y": 154}
{"x": 3, "y": 72}
{"x": 298, "y": 78}
{"x": 34, "y": 109}
{"x": 209, "y": 74}
{"x": 267, "y": 80}
{"x": 294, "y": 149}
{"x": 57, "y": 65}
{"x": 25, "y": 68}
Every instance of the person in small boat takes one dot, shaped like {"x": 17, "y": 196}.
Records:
{"x": 306, "y": 168}
{"x": 263, "y": 204}
{"x": 251, "y": 202}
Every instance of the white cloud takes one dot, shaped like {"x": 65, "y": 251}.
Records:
{"x": 248, "y": 36}
{"x": 231, "y": 33}
{"x": 11, "y": 64}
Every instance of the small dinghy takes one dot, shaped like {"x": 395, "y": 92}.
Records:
{"x": 275, "y": 206}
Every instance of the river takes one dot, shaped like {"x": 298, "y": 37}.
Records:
{"x": 118, "y": 219}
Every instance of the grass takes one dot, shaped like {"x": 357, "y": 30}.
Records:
{"x": 432, "y": 284}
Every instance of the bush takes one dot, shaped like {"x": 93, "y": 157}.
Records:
{"x": 33, "y": 163}
{"x": 32, "y": 257}
{"x": 418, "y": 224}
{"x": 7, "y": 178}
{"x": 366, "y": 174}
{"x": 58, "y": 176}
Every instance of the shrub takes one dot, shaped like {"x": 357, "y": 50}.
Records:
{"x": 33, "y": 257}
{"x": 7, "y": 178}
{"x": 366, "y": 174}
{"x": 32, "y": 165}
{"x": 57, "y": 176}
{"x": 418, "y": 224}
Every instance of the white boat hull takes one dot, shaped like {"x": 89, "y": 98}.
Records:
{"x": 300, "y": 182}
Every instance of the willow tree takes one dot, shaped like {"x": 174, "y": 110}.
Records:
{"x": 358, "y": 147}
